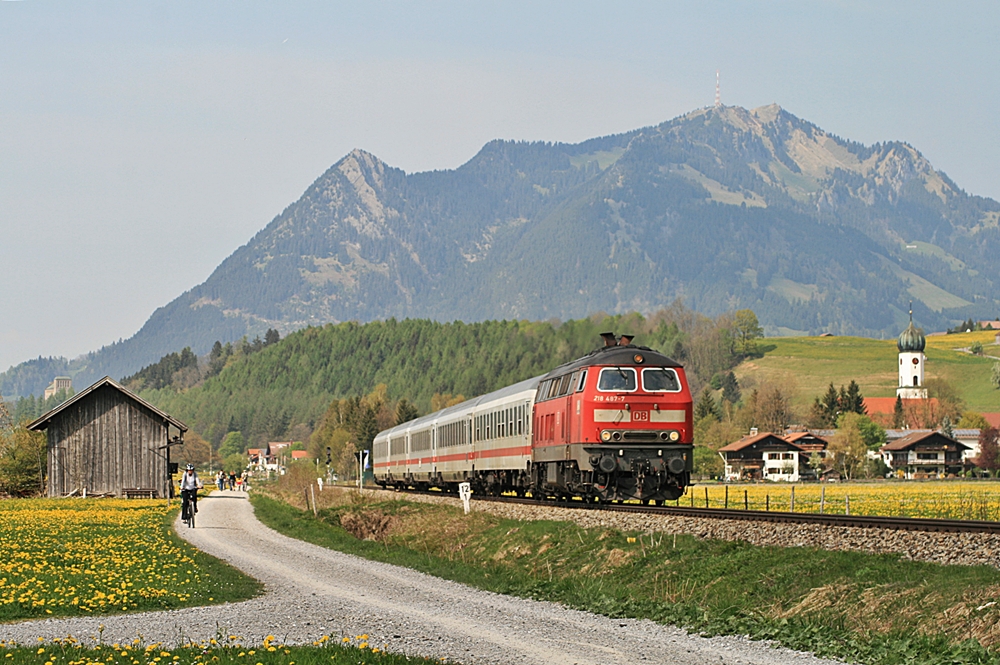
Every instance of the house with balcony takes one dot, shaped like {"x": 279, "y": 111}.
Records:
{"x": 925, "y": 454}
{"x": 762, "y": 456}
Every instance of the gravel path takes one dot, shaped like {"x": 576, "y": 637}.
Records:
{"x": 312, "y": 591}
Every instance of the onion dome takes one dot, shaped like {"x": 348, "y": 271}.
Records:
{"x": 912, "y": 339}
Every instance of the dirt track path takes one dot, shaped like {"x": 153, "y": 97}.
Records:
{"x": 312, "y": 591}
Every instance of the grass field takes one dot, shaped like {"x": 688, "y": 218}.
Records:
{"x": 807, "y": 365}
{"x": 100, "y": 556}
{"x": 848, "y": 605}
{"x": 353, "y": 650}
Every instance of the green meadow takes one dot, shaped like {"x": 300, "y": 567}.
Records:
{"x": 807, "y": 365}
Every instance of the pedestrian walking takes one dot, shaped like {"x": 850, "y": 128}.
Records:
{"x": 232, "y": 480}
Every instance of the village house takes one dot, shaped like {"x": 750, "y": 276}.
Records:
{"x": 272, "y": 458}
{"x": 925, "y": 454}
{"x": 767, "y": 456}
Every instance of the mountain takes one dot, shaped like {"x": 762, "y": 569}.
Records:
{"x": 724, "y": 207}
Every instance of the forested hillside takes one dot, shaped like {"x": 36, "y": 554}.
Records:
{"x": 725, "y": 207}
{"x": 283, "y": 390}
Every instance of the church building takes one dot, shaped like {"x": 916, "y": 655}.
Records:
{"x": 911, "y": 343}
{"x": 911, "y": 394}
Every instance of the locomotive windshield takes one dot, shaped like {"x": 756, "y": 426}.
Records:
{"x": 617, "y": 379}
{"x": 660, "y": 379}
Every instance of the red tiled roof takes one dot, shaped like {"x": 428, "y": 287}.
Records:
{"x": 254, "y": 451}
{"x": 993, "y": 419}
{"x": 888, "y": 404}
{"x": 300, "y": 454}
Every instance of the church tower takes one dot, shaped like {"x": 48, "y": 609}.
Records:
{"x": 911, "y": 345}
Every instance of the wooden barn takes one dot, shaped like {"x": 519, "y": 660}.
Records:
{"x": 106, "y": 441}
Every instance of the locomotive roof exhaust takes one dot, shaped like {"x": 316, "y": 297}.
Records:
{"x": 611, "y": 340}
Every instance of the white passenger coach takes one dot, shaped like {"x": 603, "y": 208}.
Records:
{"x": 489, "y": 436}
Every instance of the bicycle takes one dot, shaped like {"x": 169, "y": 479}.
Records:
{"x": 187, "y": 512}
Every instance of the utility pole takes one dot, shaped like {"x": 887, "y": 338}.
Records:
{"x": 718, "y": 94}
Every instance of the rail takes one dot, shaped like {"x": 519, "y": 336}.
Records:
{"x": 823, "y": 519}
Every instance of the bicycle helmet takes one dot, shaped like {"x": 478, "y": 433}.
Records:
{"x": 189, "y": 467}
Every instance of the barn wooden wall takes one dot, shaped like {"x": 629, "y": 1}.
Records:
{"x": 106, "y": 442}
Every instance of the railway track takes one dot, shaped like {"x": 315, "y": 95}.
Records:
{"x": 825, "y": 519}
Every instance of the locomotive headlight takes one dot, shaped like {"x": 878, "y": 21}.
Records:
{"x": 675, "y": 435}
{"x": 605, "y": 436}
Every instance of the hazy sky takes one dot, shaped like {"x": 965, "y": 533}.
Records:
{"x": 141, "y": 143}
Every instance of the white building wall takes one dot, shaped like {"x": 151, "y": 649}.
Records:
{"x": 911, "y": 375}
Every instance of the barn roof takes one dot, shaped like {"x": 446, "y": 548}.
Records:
{"x": 43, "y": 422}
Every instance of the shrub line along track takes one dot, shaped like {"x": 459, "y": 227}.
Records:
{"x": 824, "y": 519}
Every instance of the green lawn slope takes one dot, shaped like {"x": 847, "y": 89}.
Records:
{"x": 807, "y": 365}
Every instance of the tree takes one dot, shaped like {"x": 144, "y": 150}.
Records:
{"x": 195, "y": 450}
{"x": 22, "y": 463}
{"x": 730, "y": 388}
{"x": 898, "y": 418}
{"x": 946, "y": 428}
{"x": 950, "y": 403}
{"x": 989, "y": 450}
{"x": 444, "y": 400}
{"x": 995, "y": 376}
{"x": 746, "y": 331}
{"x": 234, "y": 462}
{"x": 818, "y": 417}
{"x": 831, "y": 403}
{"x": 817, "y": 463}
{"x": 232, "y": 444}
{"x": 854, "y": 401}
{"x": 405, "y": 411}
{"x": 766, "y": 409}
{"x": 707, "y": 462}
{"x": 976, "y": 348}
{"x": 271, "y": 337}
{"x": 871, "y": 432}
{"x": 847, "y": 448}
{"x": 973, "y": 420}
{"x": 706, "y": 406}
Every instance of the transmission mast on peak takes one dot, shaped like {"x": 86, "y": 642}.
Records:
{"x": 718, "y": 94}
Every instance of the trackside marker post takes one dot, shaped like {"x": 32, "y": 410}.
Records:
{"x": 465, "y": 493}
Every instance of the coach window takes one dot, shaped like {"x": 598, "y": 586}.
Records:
{"x": 660, "y": 380}
{"x": 581, "y": 384}
{"x": 617, "y": 380}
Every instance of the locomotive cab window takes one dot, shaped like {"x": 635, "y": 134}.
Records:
{"x": 660, "y": 380}
{"x": 617, "y": 379}
{"x": 581, "y": 384}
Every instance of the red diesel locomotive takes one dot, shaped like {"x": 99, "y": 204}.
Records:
{"x": 613, "y": 425}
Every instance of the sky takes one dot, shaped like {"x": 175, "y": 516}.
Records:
{"x": 142, "y": 143}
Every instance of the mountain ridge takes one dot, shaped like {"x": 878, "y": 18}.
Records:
{"x": 724, "y": 207}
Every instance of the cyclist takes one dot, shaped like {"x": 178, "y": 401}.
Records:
{"x": 190, "y": 484}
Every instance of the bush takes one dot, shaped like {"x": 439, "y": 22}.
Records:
{"x": 23, "y": 463}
